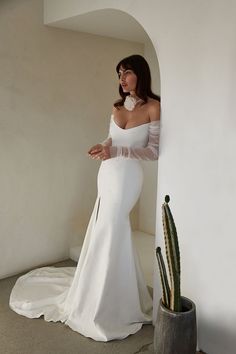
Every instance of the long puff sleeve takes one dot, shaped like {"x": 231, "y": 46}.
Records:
{"x": 149, "y": 152}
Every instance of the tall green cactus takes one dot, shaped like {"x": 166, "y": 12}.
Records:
{"x": 171, "y": 295}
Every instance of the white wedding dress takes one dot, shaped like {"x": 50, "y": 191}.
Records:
{"x": 105, "y": 297}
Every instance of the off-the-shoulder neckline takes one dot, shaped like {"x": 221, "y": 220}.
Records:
{"x": 137, "y": 126}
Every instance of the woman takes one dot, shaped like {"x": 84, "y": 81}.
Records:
{"x": 105, "y": 297}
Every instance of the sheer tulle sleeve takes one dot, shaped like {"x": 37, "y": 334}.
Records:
{"x": 149, "y": 152}
{"x": 107, "y": 141}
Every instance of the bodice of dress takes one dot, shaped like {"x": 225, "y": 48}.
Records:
{"x": 139, "y": 142}
{"x": 131, "y": 137}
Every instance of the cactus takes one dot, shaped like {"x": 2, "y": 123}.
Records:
{"x": 171, "y": 294}
{"x": 164, "y": 279}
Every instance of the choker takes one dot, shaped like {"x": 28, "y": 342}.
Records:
{"x": 130, "y": 102}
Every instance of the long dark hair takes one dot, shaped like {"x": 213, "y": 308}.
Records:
{"x": 140, "y": 67}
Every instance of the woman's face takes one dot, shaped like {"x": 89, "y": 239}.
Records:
{"x": 127, "y": 79}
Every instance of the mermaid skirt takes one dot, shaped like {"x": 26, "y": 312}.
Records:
{"x": 105, "y": 297}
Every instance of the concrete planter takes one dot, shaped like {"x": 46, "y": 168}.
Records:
{"x": 176, "y": 332}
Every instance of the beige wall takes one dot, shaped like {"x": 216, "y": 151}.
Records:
{"x": 56, "y": 94}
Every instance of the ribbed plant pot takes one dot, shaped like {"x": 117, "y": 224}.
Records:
{"x": 176, "y": 332}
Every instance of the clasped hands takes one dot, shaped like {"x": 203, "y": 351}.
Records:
{"x": 99, "y": 152}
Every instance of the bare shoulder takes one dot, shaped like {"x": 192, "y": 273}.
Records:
{"x": 117, "y": 111}
{"x": 154, "y": 109}
{"x": 114, "y": 110}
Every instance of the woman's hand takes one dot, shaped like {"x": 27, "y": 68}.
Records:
{"x": 95, "y": 149}
{"x": 99, "y": 152}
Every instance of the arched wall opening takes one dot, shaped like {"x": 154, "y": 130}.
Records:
{"x": 190, "y": 70}
{"x": 116, "y": 24}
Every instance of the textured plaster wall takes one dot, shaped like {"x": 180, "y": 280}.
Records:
{"x": 56, "y": 94}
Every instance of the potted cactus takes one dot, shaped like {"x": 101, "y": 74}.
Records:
{"x": 175, "y": 329}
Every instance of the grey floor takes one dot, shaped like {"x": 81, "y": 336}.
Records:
{"x": 21, "y": 335}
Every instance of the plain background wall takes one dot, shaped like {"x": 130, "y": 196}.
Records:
{"x": 56, "y": 94}
{"x": 195, "y": 44}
